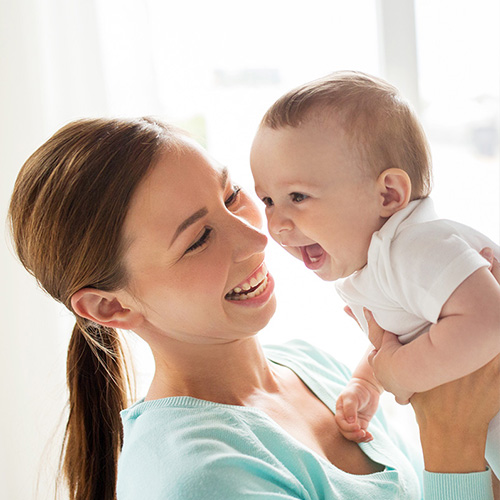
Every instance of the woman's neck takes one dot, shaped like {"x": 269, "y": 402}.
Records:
{"x": 230, "y": 373}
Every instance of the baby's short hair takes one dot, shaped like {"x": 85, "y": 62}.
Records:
{"x": 384, "y": 128}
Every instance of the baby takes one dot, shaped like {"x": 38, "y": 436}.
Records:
{"x": 343, "y": 167}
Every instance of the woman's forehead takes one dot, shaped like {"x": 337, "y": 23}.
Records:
{"x": 179, "y": 183}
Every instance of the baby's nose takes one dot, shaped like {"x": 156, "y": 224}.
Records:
{"x": 278, "y": 222}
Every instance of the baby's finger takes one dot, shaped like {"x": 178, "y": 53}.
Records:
{"x": 359, "y": 436}
{"x": 344, "y": 418}
{"x": 350, "y": 410}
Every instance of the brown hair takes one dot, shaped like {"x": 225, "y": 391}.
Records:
{"x": 66, "y": 214}
{"x": 383, "y": 126}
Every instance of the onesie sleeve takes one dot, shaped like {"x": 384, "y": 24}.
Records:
{"x": 427, "y": 262}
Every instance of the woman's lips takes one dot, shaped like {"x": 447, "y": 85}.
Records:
{"x": 255, "y": 285}
{"x": 313, "y": 256}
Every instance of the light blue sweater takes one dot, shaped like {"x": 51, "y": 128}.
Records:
{"x": 183, "y": 448}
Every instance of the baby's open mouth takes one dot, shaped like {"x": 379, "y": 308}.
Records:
{"x": 252, "y": 287}
{"x": 313, "y": 256}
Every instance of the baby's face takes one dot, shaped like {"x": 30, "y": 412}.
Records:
{"x": 322, "y": 206}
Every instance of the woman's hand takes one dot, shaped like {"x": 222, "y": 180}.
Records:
{"x": 386, "y": 345}
{"x": 453, "y": 418}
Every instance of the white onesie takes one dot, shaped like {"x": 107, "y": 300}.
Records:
{"x": 415, "y": 262}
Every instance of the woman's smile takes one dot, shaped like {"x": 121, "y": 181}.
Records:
{"x": 259, "y": 285}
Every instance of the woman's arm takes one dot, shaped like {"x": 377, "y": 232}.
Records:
{"x": 453, "y": 421}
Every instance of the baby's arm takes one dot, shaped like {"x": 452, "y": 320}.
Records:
{"x": 358, "y": 402}
{"x": 466, "y": 337}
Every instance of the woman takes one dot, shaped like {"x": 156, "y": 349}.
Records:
{"x": 131, "y": 225}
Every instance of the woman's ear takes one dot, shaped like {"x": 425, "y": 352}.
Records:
{"x": 104, "y": 308}
{"x": 394, "y": 186}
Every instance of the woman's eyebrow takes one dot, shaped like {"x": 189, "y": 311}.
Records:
{"x": 201, "y": 212}
{"x": 223, "y": 177}
{"x": 188, "y": 222}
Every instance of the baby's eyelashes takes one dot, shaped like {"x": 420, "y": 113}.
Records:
{"x": 294, "y": 197}
{"x": 298, "y": 197}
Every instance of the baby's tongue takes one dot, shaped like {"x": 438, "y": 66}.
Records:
{"x": 314, "y": 251}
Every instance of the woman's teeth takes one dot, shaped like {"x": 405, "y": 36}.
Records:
{"x": 252, "y": 288}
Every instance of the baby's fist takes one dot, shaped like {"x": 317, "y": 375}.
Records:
{"x": 356, "y": 406}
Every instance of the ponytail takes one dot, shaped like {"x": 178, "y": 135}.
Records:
{"x": 66, "y": 214}
{"x": 97, "y": 380}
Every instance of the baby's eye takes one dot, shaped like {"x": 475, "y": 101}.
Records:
{"x": 268, "y": 202}
{"x": 298, "y": 197}
{"x": 233, "y": 197}
{"x": 201, "y": 240}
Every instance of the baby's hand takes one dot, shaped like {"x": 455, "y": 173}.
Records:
{"x": 356, "y": 406}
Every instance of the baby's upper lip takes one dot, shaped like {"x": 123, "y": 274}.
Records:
{"x": 297, "y": 245}
{"x": 257, "y": 275}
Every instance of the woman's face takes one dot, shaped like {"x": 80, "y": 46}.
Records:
{"x": 194, "y": 248}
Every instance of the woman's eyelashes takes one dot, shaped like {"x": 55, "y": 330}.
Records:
{"x": 233, "y": 197}
{"x": 205, "y": 236}
{"x": 201, "y": 240}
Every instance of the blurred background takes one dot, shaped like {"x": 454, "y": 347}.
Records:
{"x": 214, "y": 68}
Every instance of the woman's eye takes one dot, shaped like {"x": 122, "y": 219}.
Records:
{"x": 201, "y": 240}
{"x": 233, "y": 197}
{"x": 268, "y": 202}
{"x": 298, "y": 197}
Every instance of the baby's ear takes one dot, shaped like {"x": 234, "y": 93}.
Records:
{"x": 104, "y": 308}
{"x": 394, "y": 186}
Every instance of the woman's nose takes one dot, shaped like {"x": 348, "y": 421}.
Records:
{"x": 248, "y": 240}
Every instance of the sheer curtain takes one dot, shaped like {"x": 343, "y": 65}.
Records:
{"x": 213, "y": 68}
